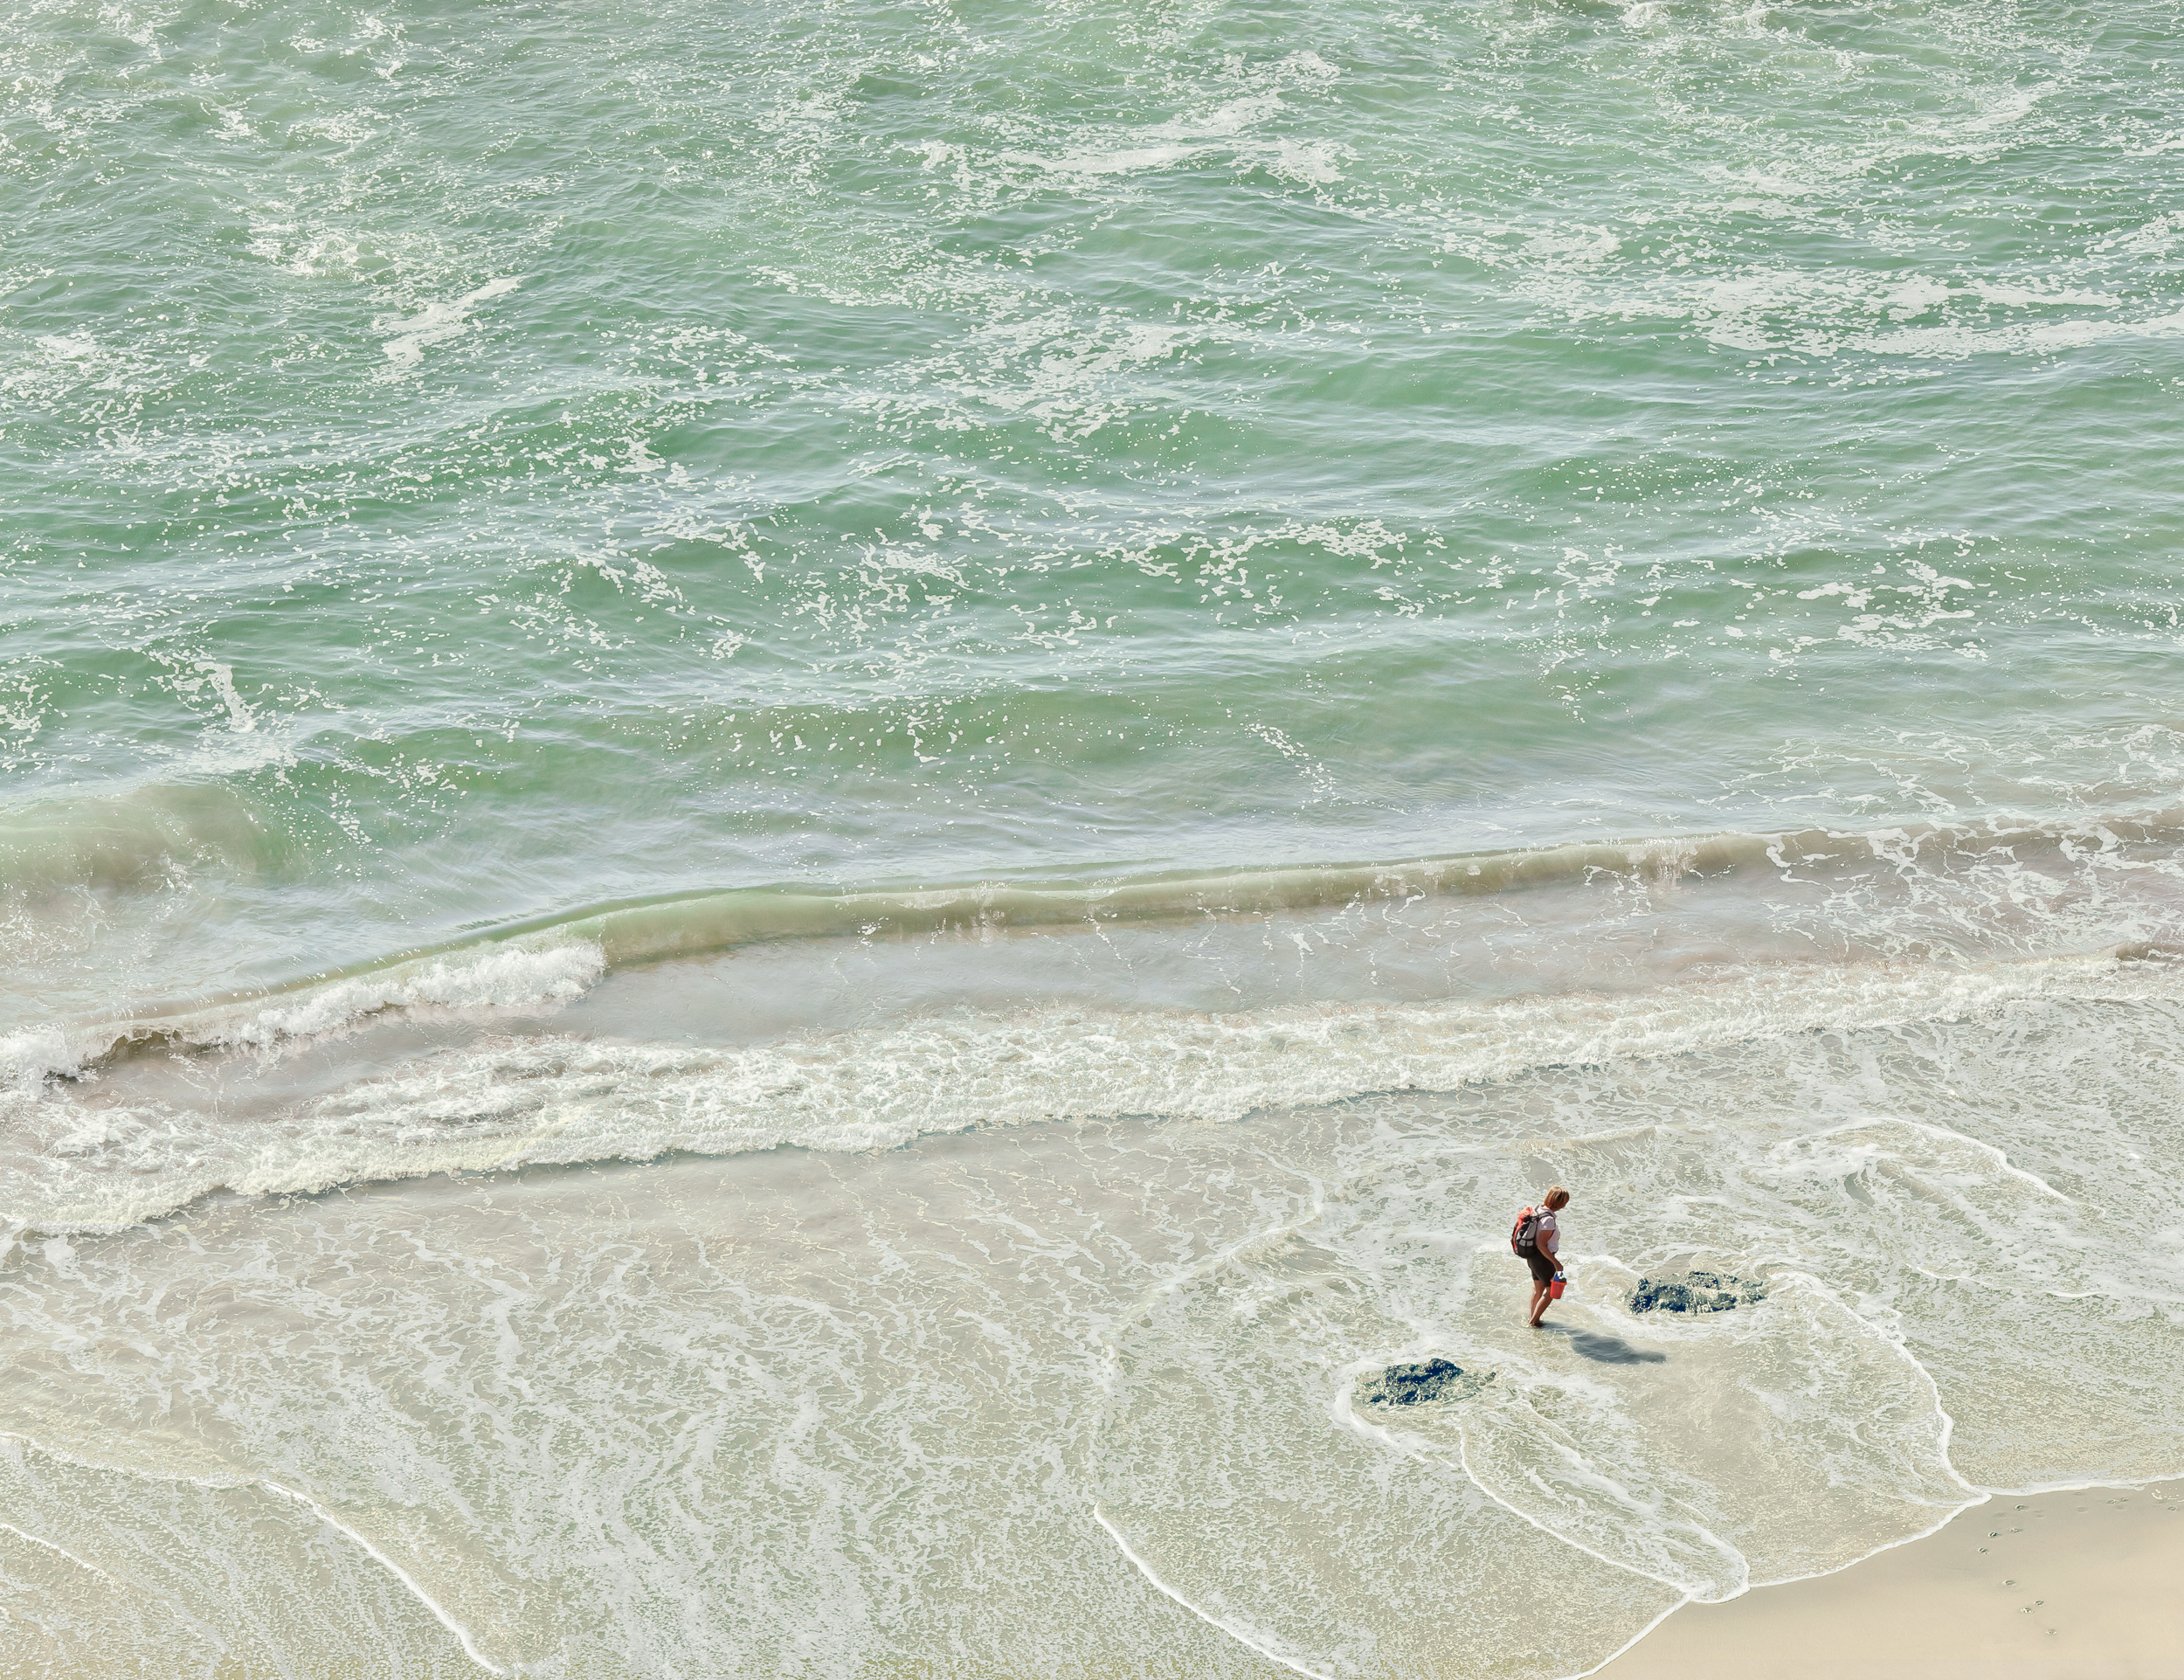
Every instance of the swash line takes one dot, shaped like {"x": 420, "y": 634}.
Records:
{"x": 1151, "y": 1574}
{"x": 446, "y": 1620}
{"x": 21, "y": 1535}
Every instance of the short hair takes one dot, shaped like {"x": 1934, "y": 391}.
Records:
{"x": 1557, "y": 1198}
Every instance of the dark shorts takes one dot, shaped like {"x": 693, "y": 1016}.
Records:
{"x": 1542, "y": 1269}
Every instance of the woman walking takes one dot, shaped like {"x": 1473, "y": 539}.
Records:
{"x": 1541, "y": 1256}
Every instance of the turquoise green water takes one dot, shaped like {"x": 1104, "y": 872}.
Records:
{"x": 1094, "y": 584}
{"x": 469, "y": 466}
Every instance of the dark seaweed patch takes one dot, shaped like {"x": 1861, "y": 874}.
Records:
{"x": 1696, "y": 1292}
{"x": 1434, "y": 1380}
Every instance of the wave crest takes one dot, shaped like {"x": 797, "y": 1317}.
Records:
{"x": 553, "y": 958}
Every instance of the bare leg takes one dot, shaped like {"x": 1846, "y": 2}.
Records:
{"x": 1539, "y": 1308}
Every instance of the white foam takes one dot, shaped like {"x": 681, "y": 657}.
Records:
{"x": 486, "y": 978}
{"x": 2018, "y": 296}
{"x": 501, "y": 977}
{"x": 437, "y": 323}
{"x": 240, "y": 718}
{"x": 559, "y": 1100}
{"x": 29, "y": 1057}
{"x": 1229, "y": 128}
{"x": 876, "y": 1088}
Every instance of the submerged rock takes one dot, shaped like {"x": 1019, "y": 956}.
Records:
{"x": 1435, "y": 1379}
{"x": 1696, "y": 1292}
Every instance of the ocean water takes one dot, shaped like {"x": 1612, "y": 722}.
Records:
{"x": 801, "y": 804}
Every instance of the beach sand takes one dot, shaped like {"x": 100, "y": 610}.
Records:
{"x": 2087, "y": 1585}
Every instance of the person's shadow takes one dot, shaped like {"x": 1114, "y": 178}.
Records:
{"x": 1607, "y": 1350}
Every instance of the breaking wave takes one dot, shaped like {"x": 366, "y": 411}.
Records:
{"x": 559, "y": 1099}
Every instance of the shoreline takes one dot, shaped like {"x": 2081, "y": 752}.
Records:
{"x": 2069, "y": 1584}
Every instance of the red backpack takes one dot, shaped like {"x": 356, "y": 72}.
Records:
{"x": 1524, "y": 1236}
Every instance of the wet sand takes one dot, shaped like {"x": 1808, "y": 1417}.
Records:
{"x": 2076, "y": 1585}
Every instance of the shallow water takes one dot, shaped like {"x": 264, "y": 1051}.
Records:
{"x": 803, "y": 806}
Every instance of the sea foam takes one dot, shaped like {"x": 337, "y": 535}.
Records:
{"x": 559, "y": 1099}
